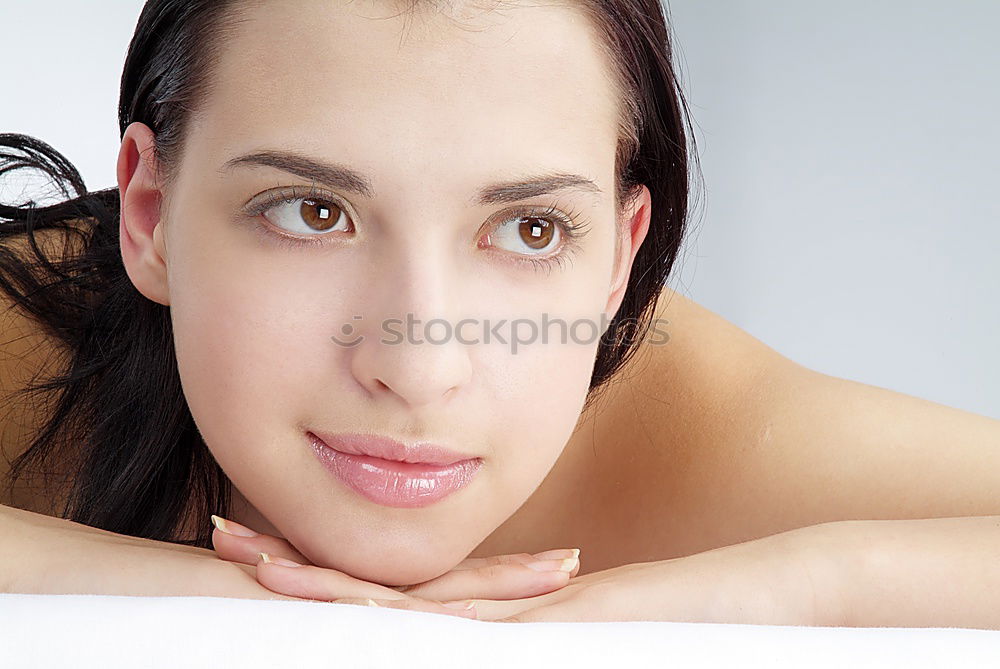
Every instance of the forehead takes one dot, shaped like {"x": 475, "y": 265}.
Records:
{"x": 437, "y": 86}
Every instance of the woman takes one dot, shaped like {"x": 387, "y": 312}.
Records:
{"x": 339, "y": 233}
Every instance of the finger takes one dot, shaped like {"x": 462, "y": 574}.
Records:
{"x": 529, "y": 609}
{"x": 477, "y": 563}
{"x": 237, "y": 543}
{"x": 500, "y": 580}
{"x": 518, "y": 558}
{"x": 311, "y": 582}
{"x": 410, "y": 605}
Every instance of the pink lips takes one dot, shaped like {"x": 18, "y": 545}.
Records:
{"x": 394, "y": 474}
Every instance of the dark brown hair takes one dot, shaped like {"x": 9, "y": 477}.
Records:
{"x": 117, "y": 411}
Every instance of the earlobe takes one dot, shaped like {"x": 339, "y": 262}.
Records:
{"x": 140, "y": 231}
{"x": 632, "y": 232}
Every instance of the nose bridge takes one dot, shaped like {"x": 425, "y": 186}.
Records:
{"x": 411, "y": 353}
{"x": 416, "y": 274}
{"x": 422, "y": 279}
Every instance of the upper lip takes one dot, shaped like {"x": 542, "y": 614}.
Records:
{"x": 389, "y": 449}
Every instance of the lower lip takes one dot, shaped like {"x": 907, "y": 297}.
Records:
{"x": 391, "y": 483}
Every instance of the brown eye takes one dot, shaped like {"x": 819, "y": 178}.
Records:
{"x": 527, "y": 235}
{"x": 309, "y": 216}
{"x": 536, "y": 232}
{"x": 319, "y": 215}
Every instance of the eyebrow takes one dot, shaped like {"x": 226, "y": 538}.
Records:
{"x": 349, "y": 180}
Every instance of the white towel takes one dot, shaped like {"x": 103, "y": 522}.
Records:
{"x": 102, "y": 631}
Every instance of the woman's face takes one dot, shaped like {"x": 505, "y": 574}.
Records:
{"x": 278, "y": 337}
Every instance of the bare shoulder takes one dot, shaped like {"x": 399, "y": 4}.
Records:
{"x": 711, "y": 353}
{"x": 694, "y": 369}
{"x": 735, "y": 441}
{"x": 26, "y": 354}
{"x": 688, "y": 408}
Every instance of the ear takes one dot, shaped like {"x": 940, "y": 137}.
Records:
{"x": 140, "y": 233}
{"x": 631, "y": 232}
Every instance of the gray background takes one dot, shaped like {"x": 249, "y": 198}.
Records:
{"x": 849, "y": 151}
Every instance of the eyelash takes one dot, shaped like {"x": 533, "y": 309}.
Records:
{"x": 570, "y": 229}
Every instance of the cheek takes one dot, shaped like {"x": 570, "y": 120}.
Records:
{"x": 538, "y": 381}
{"x": 250, "y": 347}
{"x": 536, "y": 419}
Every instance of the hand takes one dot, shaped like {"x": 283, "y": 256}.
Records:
{"x": 47, "y": 555}
{"x": 790, "y": 578}
{"x": 494, "y": 578}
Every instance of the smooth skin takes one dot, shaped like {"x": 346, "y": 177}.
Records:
{"x": 695, "y": 517}
{"x": 708, "y": 441}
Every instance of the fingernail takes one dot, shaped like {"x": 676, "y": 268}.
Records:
{"x": 567, "y": 565}
{"x": 558, "y": 554}
{"x": 233, "y": 528}
{"x": 270, "y": 559}
{"x": 371, "y": 602}
{"x": 464, "y": 604}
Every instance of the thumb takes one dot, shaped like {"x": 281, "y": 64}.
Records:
{"x": 236, "y": 543}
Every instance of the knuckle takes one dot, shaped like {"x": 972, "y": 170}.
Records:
{"x": 493, "y": 571}
{"x": 514, "y": 558}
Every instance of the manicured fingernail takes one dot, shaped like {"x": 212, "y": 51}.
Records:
{"x": 371, "y": 602}
{"x": 230, "y": 527}
{"x": 558, "y": 554}
{"x": 567, "y": 565}
{"x": 270, "y": 559}
{"x": 464, "y": 604}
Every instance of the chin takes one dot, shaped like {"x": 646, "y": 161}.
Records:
{"x": 402, "y": 569}
{"x": 405, "y": 561}
{"x": 395, "y": 575}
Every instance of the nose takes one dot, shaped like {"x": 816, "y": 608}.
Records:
{"x": 411, "y": 354}
{"x": 417, "y": 374}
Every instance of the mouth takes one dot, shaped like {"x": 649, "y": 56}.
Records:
{"x": 392, "y": 474}
{"x": 386, "y": 448}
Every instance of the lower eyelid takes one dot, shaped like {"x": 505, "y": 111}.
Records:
{"x": 269, "y": 236}
{"x": 557, "y": 259}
